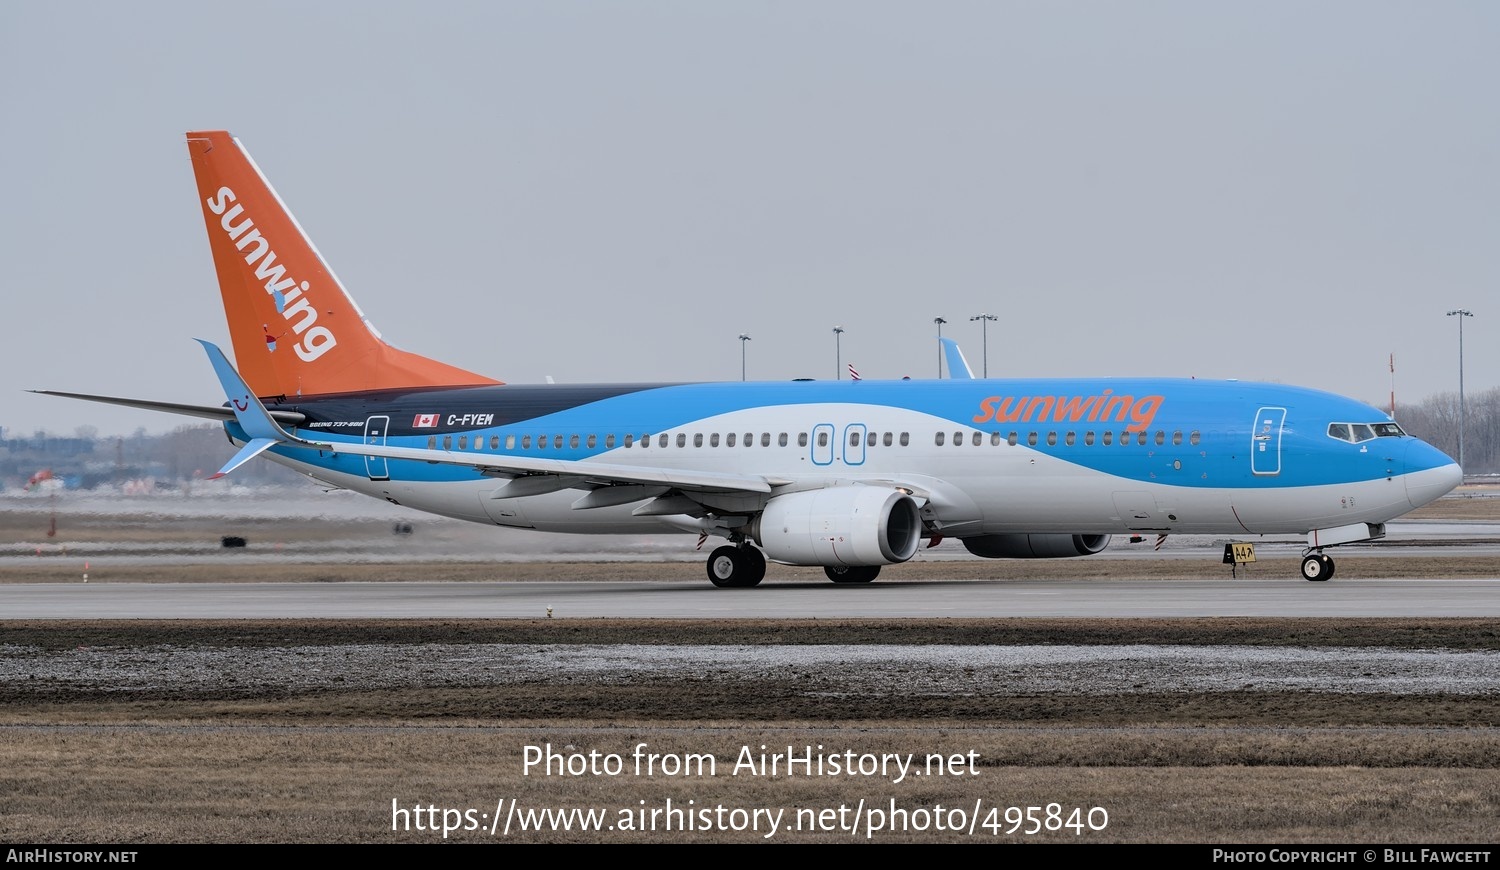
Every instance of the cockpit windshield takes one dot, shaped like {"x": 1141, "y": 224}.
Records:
{"x": 1355, "y": 433}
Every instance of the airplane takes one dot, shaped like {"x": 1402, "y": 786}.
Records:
{"x": 850, "y": 476}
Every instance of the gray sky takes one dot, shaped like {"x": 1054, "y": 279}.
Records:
{"x": 614, "y": 191}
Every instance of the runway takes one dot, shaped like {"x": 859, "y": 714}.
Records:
{"x": 680, "y": 599}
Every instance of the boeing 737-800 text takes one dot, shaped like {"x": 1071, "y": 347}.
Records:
{"x": 847, "y": 475}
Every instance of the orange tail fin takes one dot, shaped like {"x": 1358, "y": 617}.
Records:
{"x": 295, "y": 330}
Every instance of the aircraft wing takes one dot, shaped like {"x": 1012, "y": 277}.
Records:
{"x": 582, "y": 471}
{"x": 266, "y": 432}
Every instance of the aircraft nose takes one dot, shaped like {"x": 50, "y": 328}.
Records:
{"x": 1430, "y": 473}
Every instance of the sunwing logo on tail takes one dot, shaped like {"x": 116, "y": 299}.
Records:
{"x": 291, "y": 301}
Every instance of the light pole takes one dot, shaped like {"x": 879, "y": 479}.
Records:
{"x": 838, "y": 353}
{"x": 940, "y": 321}
{"x": 984, "y": 324}
{"x": 1461, "y": 313}
{"x": 743, "y": 338}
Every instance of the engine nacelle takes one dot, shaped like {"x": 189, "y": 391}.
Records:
{"x": 841, "y": 525}
{"x": 1035, "y": 546}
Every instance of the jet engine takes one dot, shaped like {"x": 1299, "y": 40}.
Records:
{"x": 840, "y": 525}
{"x": 1035, "y": 546}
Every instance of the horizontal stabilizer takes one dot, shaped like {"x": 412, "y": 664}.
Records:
{"x": 208, "y": 412}
{"x": 247, "y": 453}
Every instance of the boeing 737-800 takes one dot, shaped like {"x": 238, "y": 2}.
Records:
{"x": 847, "y": 475}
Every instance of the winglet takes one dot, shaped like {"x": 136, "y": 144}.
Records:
{"x": 958, "y": 367}
{"x": 248, "y": 411}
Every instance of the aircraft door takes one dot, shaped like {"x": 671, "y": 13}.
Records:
{"x": 375, "y": 432}
{"x": 1265, "y": 441}
{"x": 822, "y": 444}
{"x": 854, "y": 444}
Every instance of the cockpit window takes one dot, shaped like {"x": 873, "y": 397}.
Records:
{"x": 1355, "y": 433}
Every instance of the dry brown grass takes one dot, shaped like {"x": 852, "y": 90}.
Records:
{"x": 172, "y": 784}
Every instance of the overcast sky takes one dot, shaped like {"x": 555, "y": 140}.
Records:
{"x": 614, "y": 191}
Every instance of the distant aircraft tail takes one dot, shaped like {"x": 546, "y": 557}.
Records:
{"x": 295, "y": 329}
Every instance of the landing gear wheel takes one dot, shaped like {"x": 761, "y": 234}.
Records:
{"x": 736, "y": 567}
{"x": 852, "y": 573}
{"x": 1317, "y": 567}
{"x": 755, "y": 560}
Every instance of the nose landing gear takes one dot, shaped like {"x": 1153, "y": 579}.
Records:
{"x": 1317, "y": 567}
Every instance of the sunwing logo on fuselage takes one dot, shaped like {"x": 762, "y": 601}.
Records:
{"x": 1071, "y": 409}
{"x": 286, "y": 291}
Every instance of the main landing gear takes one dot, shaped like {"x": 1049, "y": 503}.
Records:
{"x": 736, "y": 566}
{"x": 852, "y": 574}
{"x": 1317, "y": 566}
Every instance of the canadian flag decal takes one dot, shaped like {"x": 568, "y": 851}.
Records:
{"x": 425, "y": 421}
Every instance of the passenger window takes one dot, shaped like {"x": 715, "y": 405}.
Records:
{"x": 1070, "y": 439}
{"x": 525, "y": 442}
{"x": 853, "y": 439}
{"x": 629, "y": 439}
{"x": 1140, "y": 437}
{"x": 870, "y": 440}
{"x": 905, "y": 439}
{"x": 976, "y": 438}
{"x": 609, "y": 441}
{"x": 593, "y": 439}
{"x": 729, "y": 440}
{"x": 431, "y": 442}
{"x": 801, "y": 439}
{"x": 494, "y": 442}
{"x": 1109, "y": 437}
{"x": 557, "y": 442}
{"x": 1051, "y": 439}
{"x": 766, "y": 437}
{"x": 1031, "y": 439}
{"x": 573, "y": 442}
{"x": 661, "y": 440}
{"x": 713, "y": 439}
{"x": 822, "y": 439}
{"x": 682, "y": 439}
{"x": 463, "y": 442}
{"x": 1177, "y": 438}
{"x": 938, "y": 439}
{"x": 958, "y": 439}
{"x": 1088, "y": 439}
{"x": 1011, "y": 439}
{"x": 994, "y": 439}
{"x": 510, "y": 442}
{"x": 1161, "y": 438}
{"x": 447, "y": 442}
{"x": 1193, "y": 438}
